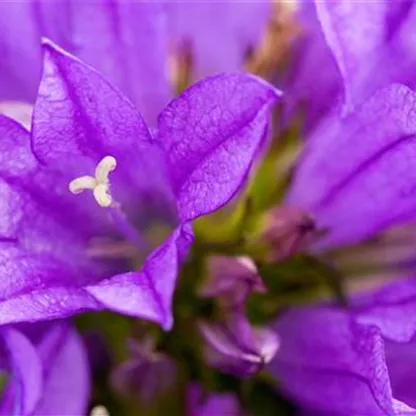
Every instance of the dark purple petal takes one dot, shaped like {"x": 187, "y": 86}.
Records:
{"x": 356, "y": 175}
{"x": 238, "y": 28}
{"x": 401, "y": 359}
{"x": 330, "y": 363}
{"x": 211, "y": 134}
{"x": 25, "y": 385}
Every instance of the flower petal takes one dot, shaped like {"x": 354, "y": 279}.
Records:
{"x": 66, "y": 390}
{"x": 392, "y": 309}
{"x": 359, "y": 34}
{"x": 147, "y": 294}
{"x": 310, "y": 90}
{"x": 21, "y": 58}
{"x": 25, "y": 385}
{"x": 330, "y": 363}
{"x": 356, "y": 175}
{"x": 211, "y": 134}
{"x": 42, "y": 288}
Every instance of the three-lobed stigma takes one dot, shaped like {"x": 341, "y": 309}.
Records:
{"x": 98, "y": 184}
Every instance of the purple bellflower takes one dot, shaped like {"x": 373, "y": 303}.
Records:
{"x": 65, "y": 253}
{"x": 45, "y": 374}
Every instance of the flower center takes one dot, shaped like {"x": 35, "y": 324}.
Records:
{"x": 98, "y": 184}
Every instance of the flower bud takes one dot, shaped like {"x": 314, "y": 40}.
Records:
{"x": 236, "y": 347}
{"x": 288, "y": 230}
{"x": 231, "y": 279}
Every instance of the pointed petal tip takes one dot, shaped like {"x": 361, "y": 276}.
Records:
{"x": 275, "y": 91}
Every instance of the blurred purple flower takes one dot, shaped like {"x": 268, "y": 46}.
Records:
{"x": 146, "y": 373}
{"x": 46, "y": 372}
{"x": 126, "y": 41}
{"x": 213, "y": 404}
{"x": 71, "y": 253}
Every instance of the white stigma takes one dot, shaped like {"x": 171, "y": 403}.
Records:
{"x": 98, "y": 184}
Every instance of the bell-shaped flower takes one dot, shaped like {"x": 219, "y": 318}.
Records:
{"x": 95, "y": 210}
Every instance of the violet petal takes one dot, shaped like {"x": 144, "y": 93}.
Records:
{"x": 366, "y": 158}
{"x": 211, "y": 134}
{"x": 66, "y": 390}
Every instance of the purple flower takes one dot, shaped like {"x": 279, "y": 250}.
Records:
{"x": 146, "y": 374}
{"x": 66, "y": 253}
{"x": 126, "y": 41}
{"x": 46, "y": 371}
{"x": 355, "y": 361}
{"x": 213, "y": 404}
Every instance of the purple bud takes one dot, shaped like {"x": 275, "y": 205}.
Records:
{"x": 146, "y": 374}
{"x": 288, "y": 230}
{"x": 232, "y": 279}
{"x": 236, "y": 347}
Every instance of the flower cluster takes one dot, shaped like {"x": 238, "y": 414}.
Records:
{"x": 207, "y": 208}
